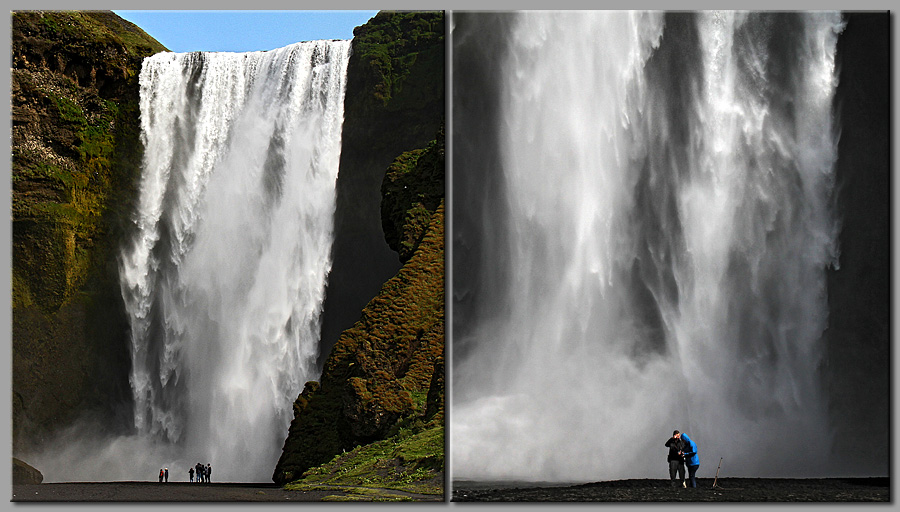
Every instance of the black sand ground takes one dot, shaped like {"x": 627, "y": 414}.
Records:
{"x": 726, "y": 490}
{"x": 182, "y": 492}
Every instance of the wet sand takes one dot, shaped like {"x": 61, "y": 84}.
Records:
{"x": 726, "y": 490}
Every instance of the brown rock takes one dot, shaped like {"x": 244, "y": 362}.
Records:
{"x": 23, "y": 473}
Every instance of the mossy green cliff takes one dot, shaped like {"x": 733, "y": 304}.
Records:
{"x": 413, "y": 187}
{"x": 394, "y": 103}
{"x": 75, "y": 158}
{"x": 386, "y": 373}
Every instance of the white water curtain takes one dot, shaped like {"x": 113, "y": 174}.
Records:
{"x": 664, "y": 262}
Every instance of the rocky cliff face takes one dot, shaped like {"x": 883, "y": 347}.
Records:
{"x": 394, "y": 103}
{"x": 387, "y": 371}
{"x": 858, "y": 339}
{"x": 412, "y": 189}
{"x": 76, "y": 155}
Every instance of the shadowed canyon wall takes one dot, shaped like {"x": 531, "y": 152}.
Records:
{"x": 858, "y": 340}
{"x": 383, "y": 368}
{"x": 394, "y": 103}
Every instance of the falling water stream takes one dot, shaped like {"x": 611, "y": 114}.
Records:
{"x": 654, "y": 255}
{"x": 225, "y": 277}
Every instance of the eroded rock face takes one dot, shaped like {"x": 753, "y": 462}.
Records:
{"x": 75, "y": 157}
{"x": 385, "y": 370}
{"x": 394, "y": 103}
{"x": 411, "y": 191}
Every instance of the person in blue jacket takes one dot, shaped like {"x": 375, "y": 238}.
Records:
{"x": 691, "y": 459}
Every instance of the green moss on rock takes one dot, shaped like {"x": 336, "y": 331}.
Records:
{"x": 413, "y": 186}
{"x": 380, "y": 370}
{"x": 395, "y": 81}
{"x": 390, "y": 46}
{"x": 407, "y": 461}
{"x": 76, "y": 158}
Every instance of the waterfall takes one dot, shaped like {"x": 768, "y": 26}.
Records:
{"x": 225, "y": 277}
{"x": 649, "y": 253}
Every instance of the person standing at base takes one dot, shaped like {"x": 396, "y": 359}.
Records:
{"x": 691, "y": 459}
{"x": 676, "y": 459}
{"x": 161, "y": 473}
{"x": 191, "y": 474}
{"x": 208, "y": 472}
{"x": 167, "y": 474}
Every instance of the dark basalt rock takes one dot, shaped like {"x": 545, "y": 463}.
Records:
{"x": 413, "y": 186}
{"x": 856, "y": 366}
{"x": 22, "y": 473}
{"x": 394, "y": 102}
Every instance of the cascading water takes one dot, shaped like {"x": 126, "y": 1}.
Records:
{"x": 225, "y": 277}
{"x": 653, "y": 252}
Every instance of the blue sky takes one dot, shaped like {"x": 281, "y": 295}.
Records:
{"x": 243, "y": 31}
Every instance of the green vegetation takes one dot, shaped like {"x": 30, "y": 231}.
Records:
{"x": 407, "y": 461}
{"x": 76, "y": 151}
{"x": 94, "y": 27}
{"x": 76, "y": 157}
{"x": 383, "y": 381}
{"x": 399, "y": 49}
{"x": 69, "y": 192}
{"x": 412, "y": 188}
{"x": 377, "y": 374}
{"x": 395, "y": 86}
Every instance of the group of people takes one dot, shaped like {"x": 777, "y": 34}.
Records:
{"x": 682, "y": 452}
{"x": 203, "y": 472}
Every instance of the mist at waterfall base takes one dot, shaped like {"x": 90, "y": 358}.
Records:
{"x": 643, "y": 219}
{"x": 225, "y": 276}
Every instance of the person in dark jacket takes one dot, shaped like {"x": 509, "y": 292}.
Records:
{"x": 691, "y": 459}
{"x": 676, "y": 459}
